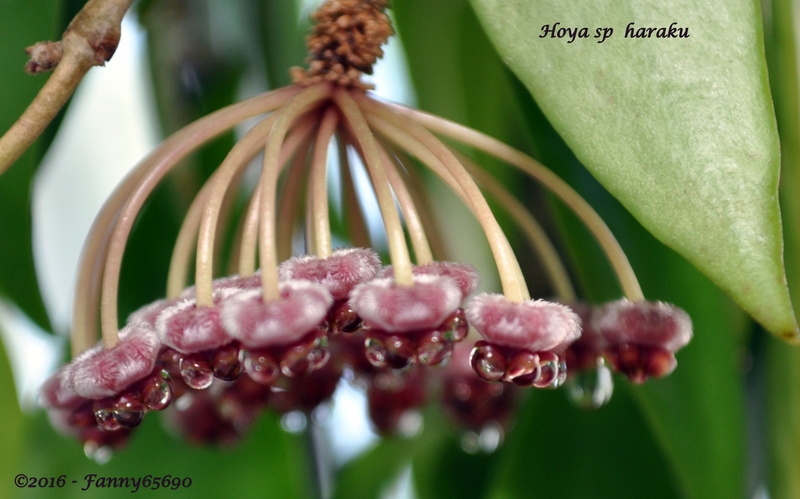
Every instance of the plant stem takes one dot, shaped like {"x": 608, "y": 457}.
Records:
{"x": 318, "y": 186}
{"x": 432, "y": 152}
{"x": 285, "y": 117}
{"x": 140, "y": 183}
{"x": 627, "y": 278}
{"x": 89, "y": 40}
{"x": 416, "y": 231}
{"x": 398, "y": 251}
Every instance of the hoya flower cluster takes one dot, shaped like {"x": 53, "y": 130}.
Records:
{"x": 292, "y": 319}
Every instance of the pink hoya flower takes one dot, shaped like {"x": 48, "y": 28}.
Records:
{"x": 465, "y": 276}
{"x": 301, "y": 307}
{"x": 642, "y": 337}
{"x": 101, "y": 372}
{"x": 339, "y": 273}
{"x": 188, "y": 328}
{"x": 524, "y": 340}
{"x": 420, "y": 322}
{"x": 394, "y": 308}
{"x": 534, "y": 325}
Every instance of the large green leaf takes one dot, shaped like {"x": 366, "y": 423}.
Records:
{"x": 680, "y": 130}
{"x": 22, "y": 23}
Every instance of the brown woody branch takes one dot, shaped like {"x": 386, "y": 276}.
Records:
{"x": 89, "y": 40}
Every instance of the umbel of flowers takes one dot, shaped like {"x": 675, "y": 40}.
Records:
{"x": 282, "y": 329}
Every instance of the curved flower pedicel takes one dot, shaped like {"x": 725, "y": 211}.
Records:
{"x": 292, "y": 319}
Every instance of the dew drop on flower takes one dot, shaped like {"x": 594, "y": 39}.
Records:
{"x": 196, "y": 372}
{"x": 261, "y": 367}
{"x": 432, "y": 349}
{"x": 103, "y": 413}
{"x": 226, "y": 364}
{"x": 400, "y": 351}
{"x": 554, "y": 371}
{"x": 295, "y": 362}
{"x": 523, "y": 364}
{"x": 345, "y": 319}
{"x": 488, "y": 361}
{"x": 128, "y": 411}
{"x": 318, "y": 355}
{"x": 375, "y": 352}
{"x": 591, "y": 388}
{"x": 156, "y": 391}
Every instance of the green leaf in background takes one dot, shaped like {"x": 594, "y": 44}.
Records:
{"x": 12, "y": 423}
{"x": 680, "y": 130}
{"x": 22, "y": 23}
{"x": 268, "y": 462}
{"x": 782, "y": 364}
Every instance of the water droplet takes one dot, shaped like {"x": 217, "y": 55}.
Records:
{"x": 294, "y": 422}
{"x": 400, "y": 351}
{"x": 100, "y": 454}
{"x": 261, "y": 367}
{"x": 487, "y": 440}
{"x": 553, "y": 371}
{"x": 591, "y": 388}
{"x": 104, "y": 415}
{"x": 491, "y": 436}
{"x": 128, "y": 410}
{"x": 432, "y": 349}
{"x": 294, "y": 362}
{"x": 487, "y": 361}
{"x": 523, "y": 364}
{"x": 226, "y": 363}
{"x": 196, "y": 371}
{"x": 375, "y": 352}
{"x": 156, "y": 391}
{"x": 318, "y": 355}
{"x": 456, "y": 326}
{"x": 409, "y": 424}
{"x": 345, "y": 319}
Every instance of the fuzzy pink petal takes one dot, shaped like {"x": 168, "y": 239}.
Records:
{"x": 391, "y": 307}
{"x": 227, "y": 286}
{"x": 58, "y": 392}
{"x": 463, "y": 274}
{"x": 301, "y": 307}
{"x": 100, "y": 372}
{"x": 655, "y": 324}
{"x": 535, "y": 325}
{"x": 344, "y": 269}
{"x": 188, "y": 329}
{"x": 149, "y": 313}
